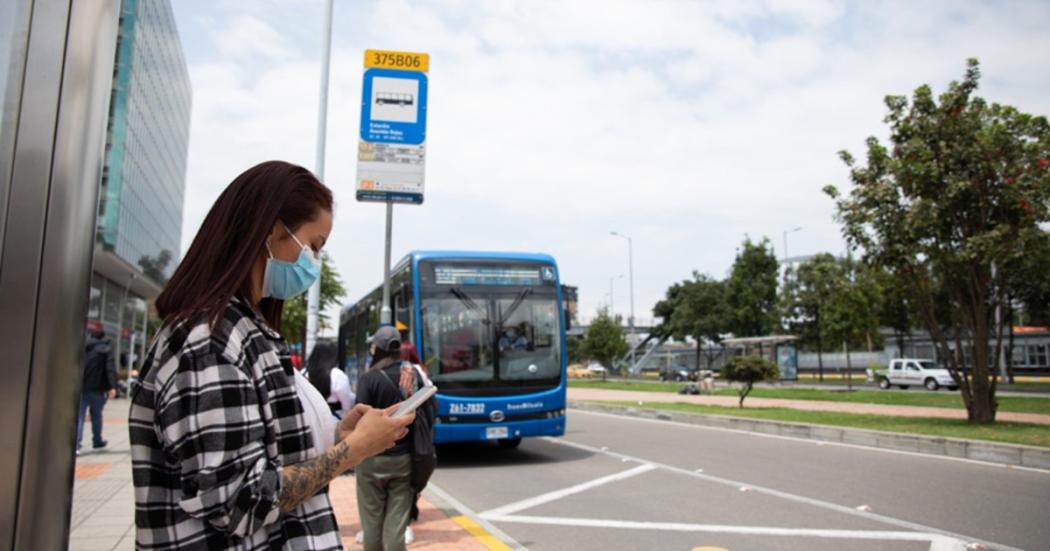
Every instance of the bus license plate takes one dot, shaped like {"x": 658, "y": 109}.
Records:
{"x": 495, "y": 432}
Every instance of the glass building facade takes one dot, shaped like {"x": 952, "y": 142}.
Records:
{"x": 143, "y": 182}
{"x": 144, "y": 175}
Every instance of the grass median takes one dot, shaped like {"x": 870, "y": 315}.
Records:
{"x": 1010, "y": 433}
{"x": 944, "y": 399}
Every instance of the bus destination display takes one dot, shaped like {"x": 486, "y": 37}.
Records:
{"x": 445, "y": 274}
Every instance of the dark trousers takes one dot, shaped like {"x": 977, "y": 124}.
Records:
{"x": 93, "y": 401}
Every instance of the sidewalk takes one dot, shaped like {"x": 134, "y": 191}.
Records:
{"x": 806, "y": 405}
{"x": 434, "y": 530}
{"x": 104, "y": 501}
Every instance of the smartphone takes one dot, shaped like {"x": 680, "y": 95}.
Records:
{"x": 416, "y": 400}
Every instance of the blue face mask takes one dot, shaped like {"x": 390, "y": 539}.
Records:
{"x": 285, "y": 280}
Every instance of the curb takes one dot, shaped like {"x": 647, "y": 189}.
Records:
{"x": 481, "y": 530}
{"x": 977, "y": 450}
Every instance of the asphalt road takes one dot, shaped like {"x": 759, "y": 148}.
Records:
{"x": 616, "y": 483}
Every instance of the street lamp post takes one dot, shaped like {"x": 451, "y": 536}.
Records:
{"x": 786, "y": 232}
{"x": 612, "y": 307}
{"x": 786, "y": 257}
{"x": 630, "y": 280}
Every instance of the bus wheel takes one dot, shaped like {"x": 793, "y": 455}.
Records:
{"x": 509, "y": 443}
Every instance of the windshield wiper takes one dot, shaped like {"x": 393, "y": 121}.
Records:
{"x": 514, "y": 305}
{"x": 470, "y": 304}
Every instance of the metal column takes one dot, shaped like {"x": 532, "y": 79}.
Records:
{"x": 313, "y": 298}
{"x": 51, "y": 201}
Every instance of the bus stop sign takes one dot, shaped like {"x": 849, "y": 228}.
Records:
{"x": 391, "y": 154}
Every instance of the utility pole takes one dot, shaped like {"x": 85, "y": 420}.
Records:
{"x": 630, "y": 272}
{"x": 786, "y": 232}
{"x": 849, "y": 368}
{"x": 313, "y": 298}
{"x": 612, "y": 307}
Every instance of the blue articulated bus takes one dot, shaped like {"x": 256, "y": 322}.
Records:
{"x": 489, "y": 329}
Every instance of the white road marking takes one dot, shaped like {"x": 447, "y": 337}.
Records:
{"x": 558, "y": 494}
{"x": 819, "y": 442}
{"x": 469, "y": 513}
{"x": 938, "y": 542}
{"x": 785, "y": 495}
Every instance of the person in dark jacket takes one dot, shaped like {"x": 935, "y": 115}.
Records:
{"x": 384, "y": 482}
{"x": 99, "y": 384}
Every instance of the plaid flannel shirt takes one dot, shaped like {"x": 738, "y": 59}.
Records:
{"x": 213, "y": 421}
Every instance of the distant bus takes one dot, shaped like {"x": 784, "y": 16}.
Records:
{"x": 490, "y": 330}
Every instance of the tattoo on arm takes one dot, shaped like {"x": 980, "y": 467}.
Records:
{"x": 301, "y": 481}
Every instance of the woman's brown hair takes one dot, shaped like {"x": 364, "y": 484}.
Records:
{"x": 218, "y": 265}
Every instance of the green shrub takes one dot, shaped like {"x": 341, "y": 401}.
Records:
{"x": 748, "y": 370}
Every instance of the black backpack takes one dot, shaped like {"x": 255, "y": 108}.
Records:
{"x": 424, "y": 455}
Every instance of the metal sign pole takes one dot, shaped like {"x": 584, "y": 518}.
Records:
{"x": 385, "y": 312}
{"x": 313, "y": 298}
{"x": 391, "y": 153}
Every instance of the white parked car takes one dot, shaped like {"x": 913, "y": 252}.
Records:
{"x": 596, "y": 367}
{"x": 906, "y": 372}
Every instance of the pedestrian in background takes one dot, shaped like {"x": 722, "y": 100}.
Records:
{"x": 99, "y": 385}
{"x": 384, "y": 482}
{"x": 222, "y": 452}
{"x": 329, "y": 380}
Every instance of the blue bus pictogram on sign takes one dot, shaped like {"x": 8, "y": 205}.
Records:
{"x": 394, "y": 107}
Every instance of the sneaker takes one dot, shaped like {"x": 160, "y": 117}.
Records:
{"x": 102, "y": 445}
{"x": 409, "y": 536}
{"x": 360, "y": 537}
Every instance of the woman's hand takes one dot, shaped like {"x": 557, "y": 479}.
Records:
{"x": 376, "y": 431}
{"x": 350, "y": 420}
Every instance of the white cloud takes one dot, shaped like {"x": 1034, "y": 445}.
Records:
{"x": 684, "y": 124}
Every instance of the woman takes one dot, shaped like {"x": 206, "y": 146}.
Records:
{"x": 329, "y": 380}
{"x": 222, "y": 454}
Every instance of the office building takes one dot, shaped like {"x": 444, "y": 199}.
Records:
{"x": 137, "y": 243}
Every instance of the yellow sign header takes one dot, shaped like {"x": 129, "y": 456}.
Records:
{"x": 403, "y": 61}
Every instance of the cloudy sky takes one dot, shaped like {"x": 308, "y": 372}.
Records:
{"x": 687, "y": 125}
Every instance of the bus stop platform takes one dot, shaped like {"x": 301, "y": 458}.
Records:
{"x": 103, "y": 516}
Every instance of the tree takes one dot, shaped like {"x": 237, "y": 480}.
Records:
{"x": 1028, "y": 289}
{"x": 574, "y": 349}
{"x": 962, "y": 189}
{"x": 293, "y": 319}
{"x": 809, "y": 290}
{"x": 695, "y": 308}
{"x": 895, "y": 309}
{"x": 605, "y": 340}
{"x": 748, "y": 370}
{"x": 751, "y": 291}
{"x": 853, "y": 311}
{"x": 154, "y": 267}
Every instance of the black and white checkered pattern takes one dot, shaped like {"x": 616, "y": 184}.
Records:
{"x": 213, "y": 421}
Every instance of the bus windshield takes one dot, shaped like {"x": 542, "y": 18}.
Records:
{"x": 495, "y": 338}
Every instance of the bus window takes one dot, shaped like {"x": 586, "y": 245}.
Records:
{"x": 529, "y": 344}
{"x": 456, "y": 339}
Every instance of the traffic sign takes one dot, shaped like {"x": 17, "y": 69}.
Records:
{"x": 391, "y": 154}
